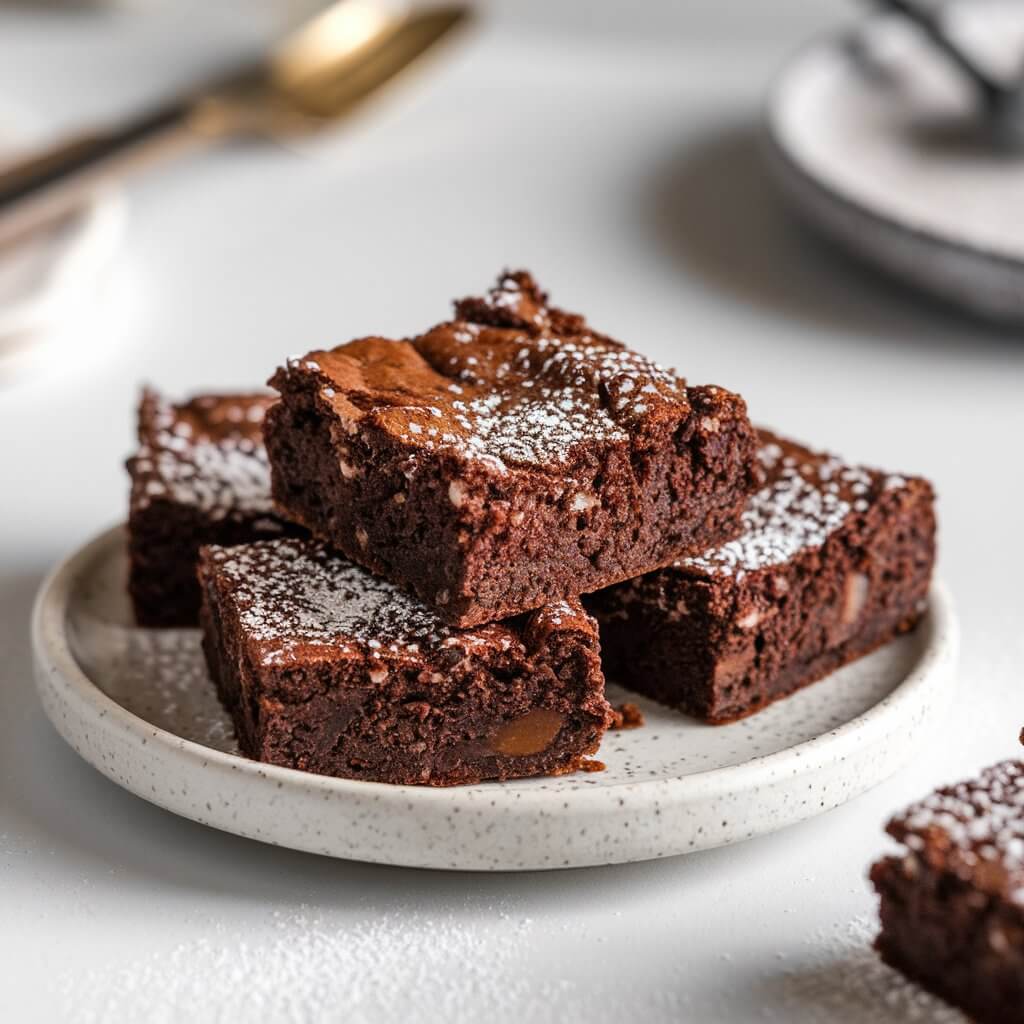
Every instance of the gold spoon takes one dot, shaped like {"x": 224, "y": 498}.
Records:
{"x": 317, "y": 75}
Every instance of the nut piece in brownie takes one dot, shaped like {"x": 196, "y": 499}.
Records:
{"x": 331, "y": 670}
{"x": 952, "y": 901}
{"x": 200, "y": 476}
{"x": 833, "y": 560}
{"x": 507, "y": 458}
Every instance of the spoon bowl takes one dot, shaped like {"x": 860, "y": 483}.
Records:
{"x": 315, "y": 76}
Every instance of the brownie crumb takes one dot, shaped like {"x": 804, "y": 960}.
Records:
{"x": 626, "y": 716}
{"x": 591, "y": 764}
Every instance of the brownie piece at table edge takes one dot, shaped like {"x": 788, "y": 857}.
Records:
{"x": 952, "y": 900}
{"x": 833, "y": 560}
{"x": 506, "y": 459}
{"x": 328, "y": 669}
{"x": 199, "y": 476}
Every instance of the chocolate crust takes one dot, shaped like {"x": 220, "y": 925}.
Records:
{"x": 506, "y": 459}
{"x": 833, "y": 561}
{"x": 325, "y": 669}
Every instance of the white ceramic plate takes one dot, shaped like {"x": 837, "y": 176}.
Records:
{"x": 875, "y": 141}
{"x": 137, "y": 705}
{"x": 47, "y": 278}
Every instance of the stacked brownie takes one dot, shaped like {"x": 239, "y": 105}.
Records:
{"x": 831, "y": 561}
{"x": 507, "y": 458}
{"x": 463, "y": 489}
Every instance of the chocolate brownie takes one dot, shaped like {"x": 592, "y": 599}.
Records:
{"x": 952, "y": 901}
{"x": 507, "y": 458}
{"x": 200, "y": 476}
{"x": 833, "y": 561}
{"x": 331, "y": 670}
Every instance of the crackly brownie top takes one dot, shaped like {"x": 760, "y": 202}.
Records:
{"x": 974, "y": 829}
{"x": 805, "y": 498}
{"x": 297, "y": 600}
{"x": 206, "y": 453}
{"x": 511, "y": 381}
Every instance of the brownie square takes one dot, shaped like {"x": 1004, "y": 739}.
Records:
{"x": 200, "y": 476}
{"x": 331, "y": 670}
{"x": 952, "y": 900}
{"x": 833, "y": 560}
{"x": 506, "y": 459}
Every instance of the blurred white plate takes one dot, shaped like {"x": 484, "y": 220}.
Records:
{"x": 871, "y": 139}
{"x": 138, "y": 705}
{"x": 46, "y": 278}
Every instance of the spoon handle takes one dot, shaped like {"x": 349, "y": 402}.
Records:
{"x": 46, "y": 183}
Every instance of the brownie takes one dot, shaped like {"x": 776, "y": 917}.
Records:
{"x": 331, "y": 670}
{"x": 507, "y": 458}
{"x": 952, "y": 900}
{"x": 200, "y": 476}
{"x": 833, "y": 561}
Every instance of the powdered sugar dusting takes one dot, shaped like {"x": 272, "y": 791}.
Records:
{"x": 806, "y": 500}
{"x": 842, "y": 980}
{"x": 308, "y": 966}
{"x": 535, "y": 399}
{"x": 292, "y": 593}
{"x": 511, "y": 382}
{"x": 160, "y": 675}
{"x": 207, "y": 454}
{"x": 532, "y": 430}
{"x": 978, "y": 826}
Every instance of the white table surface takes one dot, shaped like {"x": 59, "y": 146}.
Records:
{"x": 612, "y": 151}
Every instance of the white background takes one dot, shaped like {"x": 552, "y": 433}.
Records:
{"x": 612, "y": 149}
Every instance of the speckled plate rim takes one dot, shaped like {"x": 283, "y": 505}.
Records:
{"x": 94, "y": 725}
{"x": 992, "y": 280}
